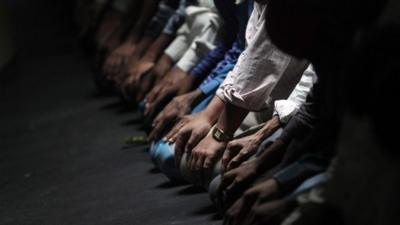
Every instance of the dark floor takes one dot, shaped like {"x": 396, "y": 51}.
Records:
{"x": 61, "y": 155}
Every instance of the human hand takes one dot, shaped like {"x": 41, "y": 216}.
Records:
{"x": 173, "y": 112}
{"x": 206, "y": 152}
{"x": 133, "y": 80}
{"x": 188, "y": 132}
{"x": 248, "y": 203}
{"x": 117, "y": 60}
{"x": 169, "y": 87}
{"x": 235, "y": 181}
{"x": 240, "y": 150}
{"x": 270, "y": 212}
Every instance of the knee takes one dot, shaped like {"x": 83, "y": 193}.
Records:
{"x": 199, "y": 179}
{"x": 185, "y": 171}
{"x": 214, "y": 194}
{"x": 165, "y": 160}
{"x": 153, "y": 150}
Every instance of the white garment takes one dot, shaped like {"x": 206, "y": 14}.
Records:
{"x": 259, "y": 67}
{"x": 285, "y": 109}
{"x": 196, "y": 37}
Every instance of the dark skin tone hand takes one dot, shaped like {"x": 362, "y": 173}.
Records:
{"x": 243, "y": 206}
{"x": 176, "y": 82}
{"x": 235, "y": 181}
{"x": 148, "y": 61}
{"x": 174, "y": 112}
{"x": 270, "y": 212}
{"x": 194, "y": 129}
{"x": 117, "y": 60}
{"x": 241, "y": 149}
{"x": 209, "y": 150}
{"x": 205, "y": 154}
{"x": 191, "y": 129}
{"x": 130, "y": 86}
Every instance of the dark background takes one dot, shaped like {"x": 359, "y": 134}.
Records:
{"x": 62, "y": 159}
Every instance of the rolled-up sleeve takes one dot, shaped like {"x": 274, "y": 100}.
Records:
{"x": 258, "y": 69}
{"x": 219, "y": 73}
{"x": 286, "y": 109}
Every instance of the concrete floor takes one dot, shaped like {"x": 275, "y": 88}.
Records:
{"x": 61, "y": 155}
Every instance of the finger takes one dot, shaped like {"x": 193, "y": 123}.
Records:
{"x": 179, "y": 147}
{"x": 140, "y": 95}
{"x": 231, "y": 187}
{"x": 238, "y": 159}
{"x": 226, "y": 180}
{"x": 158, "y": 118}
{"x": 230, "y": 152}
{"x": 148, "y": 108}
{"x": 154, "y": 132}
{"x": 156, "y": 105}
{"x": 153, "y": 93}
{"x": 170, "y": 133}
{"x": 192, "y": 142}
{"x": 192, "y": 159}
{"x": 208, "y": 161}
{"x": 173, "y": 134}
{"x": 199, "y": 163}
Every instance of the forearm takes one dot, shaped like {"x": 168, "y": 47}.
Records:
{"x": 186, "y": 84}
{"x": 231, "y": 118}
{"x": 148, "y": 10}
{"x": 157, "y": 47}
{"x": 194, "y": 97}
{"x": 214, "y": 109}
{"x": 162, "y": 66}
{"x": 143, "y": 44}
{"x": 270, "y": 127}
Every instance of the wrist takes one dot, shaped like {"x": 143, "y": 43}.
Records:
{"x": 219, "y": 135}
{"x": 150, "y": 56}
{"x": 207, "y": 118}
{"x": 194, "y": 97}
{"x": 271, "y": 126}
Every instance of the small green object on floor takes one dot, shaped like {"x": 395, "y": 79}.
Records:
{"x": 136, "y": 140}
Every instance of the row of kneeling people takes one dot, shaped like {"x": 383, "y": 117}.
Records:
{"x": 244, "y": 98}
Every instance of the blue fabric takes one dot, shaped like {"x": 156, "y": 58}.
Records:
{"x": 223, "y": 60}
{"x": 310, "y": 183}
{"x": 218, "y": 75}
{"x": 290, "y": 177}
{"x": 203, "y": 104}
{"x": 177, "y": 19}
{"x": 162, "y": 155}
{"x": 235, "y": 17}
{"x": 209, "y": 61}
